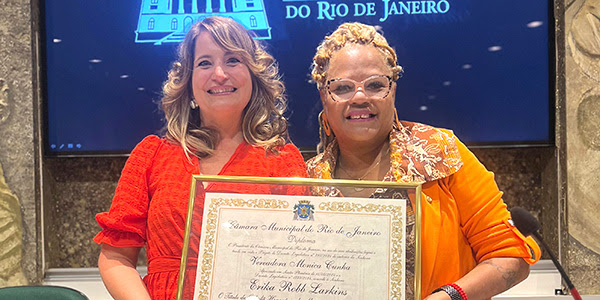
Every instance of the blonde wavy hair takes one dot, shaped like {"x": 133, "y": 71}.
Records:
{"x": 345, "y": 35}
{"x": 263, "y": 123}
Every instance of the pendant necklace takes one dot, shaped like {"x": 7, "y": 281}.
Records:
{"x": 359, "y": 189}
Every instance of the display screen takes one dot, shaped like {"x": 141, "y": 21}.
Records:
{"x": 480, "y": 68}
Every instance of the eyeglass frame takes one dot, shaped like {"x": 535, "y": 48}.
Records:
{"x": 356, "y": 83}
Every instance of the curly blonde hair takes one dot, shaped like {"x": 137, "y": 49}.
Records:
{"x": 263, "y": 123}
{"x": 348, "y": 34}
{"x": 345, "y": 35}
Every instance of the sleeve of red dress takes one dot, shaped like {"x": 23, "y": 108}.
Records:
{"x": 483, "y": 214}
{"x": 289, "y": 163}
{"x": 124, "y": 225}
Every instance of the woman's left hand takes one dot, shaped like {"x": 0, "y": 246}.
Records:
{"x": 438, "y": 296}
{"x": 490, "y": 278}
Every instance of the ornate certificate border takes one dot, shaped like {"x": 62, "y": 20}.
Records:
{"x": 266, "y": 202}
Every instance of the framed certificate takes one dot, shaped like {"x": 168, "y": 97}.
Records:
{"x": 261, "y": 238}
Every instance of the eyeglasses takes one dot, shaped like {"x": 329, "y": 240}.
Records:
{"x": 344, "y": 89}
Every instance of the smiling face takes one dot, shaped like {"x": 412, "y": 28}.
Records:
{"x": 221, "y": 82}
{"x": 362, "y": 119}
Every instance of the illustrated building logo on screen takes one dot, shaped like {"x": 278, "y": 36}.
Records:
{"x": 167, "y": 21}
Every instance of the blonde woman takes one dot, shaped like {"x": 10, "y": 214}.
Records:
{"x": 223, "y": 103}
{"x": 470, "y": 249}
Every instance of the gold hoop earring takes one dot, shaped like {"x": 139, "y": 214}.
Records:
{"x": 325, "y": 123}
{"x": 396, "y": 120}
{"x": 193, "y": 104}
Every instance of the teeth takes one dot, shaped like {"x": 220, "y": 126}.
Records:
{"x": 221, "y": 91}
{"x": 355, "y": 117}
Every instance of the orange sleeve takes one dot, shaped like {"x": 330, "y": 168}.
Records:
{"x": 483, "y": 214}
{"x": 124, "y": 225}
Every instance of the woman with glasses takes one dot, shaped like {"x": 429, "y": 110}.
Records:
{"x": 469, "y": 247}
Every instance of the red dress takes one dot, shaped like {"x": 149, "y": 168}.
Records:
{"x": 150, "y": 203}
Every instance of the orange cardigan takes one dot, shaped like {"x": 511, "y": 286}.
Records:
{"x": 464, "y": 220}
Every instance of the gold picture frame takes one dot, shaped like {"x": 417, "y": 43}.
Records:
{"x": 274, "y": 203}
